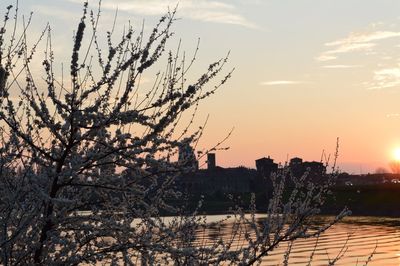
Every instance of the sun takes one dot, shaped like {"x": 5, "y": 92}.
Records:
{"x": 396, "y": 154}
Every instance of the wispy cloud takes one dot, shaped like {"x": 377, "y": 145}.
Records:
{"x": 355, "y": 42}
{"x": 201, "y": 10}
{"x": 281, "y": 82}
{"x": 385, "y": 78}
{"x": 357, "y": 37}
{"x": 342, "y": 66}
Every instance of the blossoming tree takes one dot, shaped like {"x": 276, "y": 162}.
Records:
{"x": 85, "y": 159}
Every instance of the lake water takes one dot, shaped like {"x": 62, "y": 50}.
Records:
{"x": 362, "y": 234}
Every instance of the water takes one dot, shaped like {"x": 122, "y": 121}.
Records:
{"x": 356, "y": 237}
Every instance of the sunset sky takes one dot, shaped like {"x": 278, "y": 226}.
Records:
{"x": 306, "y": 72}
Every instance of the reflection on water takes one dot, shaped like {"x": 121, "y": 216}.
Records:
{"x": 362, "y": 235}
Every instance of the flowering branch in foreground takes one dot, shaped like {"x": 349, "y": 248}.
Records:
{"x": 85, "y": 169}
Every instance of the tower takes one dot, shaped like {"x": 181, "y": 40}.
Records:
{"x": 211, "y": 162}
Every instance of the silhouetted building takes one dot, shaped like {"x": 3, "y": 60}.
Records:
{"x": 296, "y": 166}
{"x": 211, "y": 161}
{"x": 218, "y": 181}
{"x": 315, "y": 167}
{"x": 295, "y": 161}
{"x": 263, "y": 183}
{"x": 315, "y": 170}
{"x": 266, "y": 166}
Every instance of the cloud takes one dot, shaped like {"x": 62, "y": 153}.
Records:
{"x": 385, "y": 78}
{"x": 332, "y": 54}
{"x": 325, "y": 57}
{"x": 342, "y": 66}
{"x": 355, "y": 42}
{"x": 394, "y": 115}
{"x": 281, "y": 82}
{"x": 364, "y": 37}
{"x": 201, "y": 10}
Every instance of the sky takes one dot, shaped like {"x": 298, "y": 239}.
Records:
{"x": 306, "y": 72}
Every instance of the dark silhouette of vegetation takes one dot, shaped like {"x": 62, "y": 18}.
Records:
{"x": 95, "y": 139}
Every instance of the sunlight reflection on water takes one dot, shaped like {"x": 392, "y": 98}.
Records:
{"x": 360, "y": 234}
{"x": 363, "y": 235}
